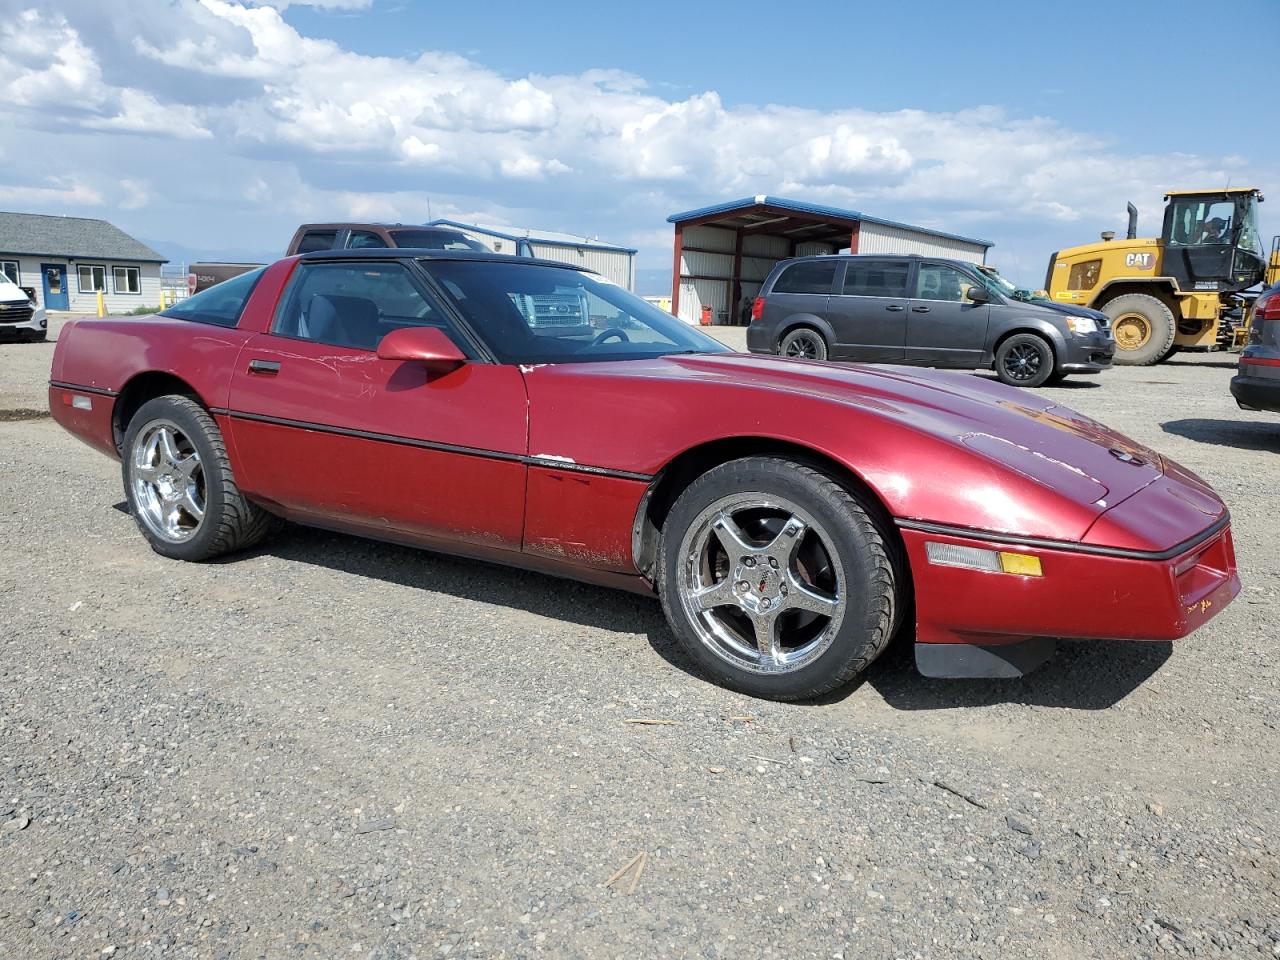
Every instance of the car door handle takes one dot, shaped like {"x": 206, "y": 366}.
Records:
{"x": 269, "y": 367}
{"x": 895, "y": 307}
{"x": 919, "y": 309}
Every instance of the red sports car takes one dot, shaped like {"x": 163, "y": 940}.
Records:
{"x": 790, "y": 515}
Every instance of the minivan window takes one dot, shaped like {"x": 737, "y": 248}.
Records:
{"x": 934, "y": 281}
{"x": 318, "y": 240}
{"x": 220, "y": 304}
{"x": 809, "y": 276}
{"x": 876, "y": 278}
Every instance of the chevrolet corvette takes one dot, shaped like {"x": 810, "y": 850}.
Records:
{"x": 792, "y": 517}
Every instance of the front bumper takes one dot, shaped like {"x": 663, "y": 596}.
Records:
{"x": 1088, "y": 354}
{"x": 1256, "y": 393}
{"x": 1086, "y": 592}
{"x": 38, "y": 322}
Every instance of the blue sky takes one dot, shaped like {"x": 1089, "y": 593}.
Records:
{"x": 217, "y": 127}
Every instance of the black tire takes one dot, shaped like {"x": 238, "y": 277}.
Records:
{"x": 872, "y": 571}
{"x": 230, "y": 522}
{"x": 803, "y": 343}
{"x": 1152, "y": 322}
{"x": 1169, "y": 353}
{"x": 1024, "y": 360}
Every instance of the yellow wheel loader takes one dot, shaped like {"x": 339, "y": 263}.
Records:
{"x": 1181, "y": 290}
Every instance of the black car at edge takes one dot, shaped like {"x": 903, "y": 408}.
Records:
{"x": 1257, "y": 384}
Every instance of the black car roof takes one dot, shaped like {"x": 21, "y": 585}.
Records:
{"x": 415, "y": 253}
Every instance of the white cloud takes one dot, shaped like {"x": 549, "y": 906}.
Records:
{"x": 323, "y": 131}
{"x": 61, "y": 193}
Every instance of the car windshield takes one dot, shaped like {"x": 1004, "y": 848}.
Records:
{"x": 997, "y": 284}
{"x": 1250, "y": 237}
{"x": 529, "y": 313}
{"x": 436, "y": 240}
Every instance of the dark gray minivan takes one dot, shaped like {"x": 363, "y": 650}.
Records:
{"x": 924, "y": 311}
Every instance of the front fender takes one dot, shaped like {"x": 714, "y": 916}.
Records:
{"x": 1007, "y": 328}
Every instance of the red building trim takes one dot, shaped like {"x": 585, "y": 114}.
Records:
{"x": 675, "y": 271}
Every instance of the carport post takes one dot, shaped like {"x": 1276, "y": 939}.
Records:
{"x": 675, "y": 271}
{"x": 735, "y": 281}
{"x": 853, "y": 237}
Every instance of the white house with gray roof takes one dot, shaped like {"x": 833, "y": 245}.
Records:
{"x": 67, "y": 260}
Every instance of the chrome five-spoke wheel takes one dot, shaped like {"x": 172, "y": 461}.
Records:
{"x": 168, "y": 482}
{"x": 761, "y": 583}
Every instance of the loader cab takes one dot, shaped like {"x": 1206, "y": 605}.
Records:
{"x": 1211, "y": 240}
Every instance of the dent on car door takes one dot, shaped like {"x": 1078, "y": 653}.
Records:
{"x": 945, "y": 328}
{"x": 869, "y": 312}
{"x": 328, "y": 432}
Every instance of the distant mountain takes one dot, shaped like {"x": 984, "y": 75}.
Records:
{"x": 179, "y": 254}
{"x": 653, "y": 283}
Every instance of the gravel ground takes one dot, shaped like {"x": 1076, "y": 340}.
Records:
{"x": 332, "y": 747}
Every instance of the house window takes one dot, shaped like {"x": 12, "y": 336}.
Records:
{"x": 10, "y": 270}
{"x": 126, "y": 279}
{"x": 93, "y": 278}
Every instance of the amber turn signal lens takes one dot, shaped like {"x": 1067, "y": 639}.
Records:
{"x": 1021, "y": 564}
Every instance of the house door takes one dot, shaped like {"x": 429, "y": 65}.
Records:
{"x": 54, "y": 276}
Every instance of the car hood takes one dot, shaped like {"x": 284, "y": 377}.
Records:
{"x": 972, "y": 451}
{"x": 1060, "y": 309}
{"x": 12, "y": 293}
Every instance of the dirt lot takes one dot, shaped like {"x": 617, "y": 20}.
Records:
{"x": 332, "y": 747}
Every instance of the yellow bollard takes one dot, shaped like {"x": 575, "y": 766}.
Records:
{"x": 164, "y": 299}
{"x": 102, "y": 307}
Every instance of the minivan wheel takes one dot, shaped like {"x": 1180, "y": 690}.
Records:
{"x": 803, "y": 343}
{"x": 777, "y": 581}
{"x": 1024, "y": 360}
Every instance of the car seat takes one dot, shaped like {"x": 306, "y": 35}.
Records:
{"x": 344, "y": 321}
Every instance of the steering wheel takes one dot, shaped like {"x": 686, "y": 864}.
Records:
{"x": 612, "y": 332}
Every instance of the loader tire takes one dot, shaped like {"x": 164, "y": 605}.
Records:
{"x": 1144, "y": 329}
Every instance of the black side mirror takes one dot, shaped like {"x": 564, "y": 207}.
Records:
{"x": 978, "y": 294}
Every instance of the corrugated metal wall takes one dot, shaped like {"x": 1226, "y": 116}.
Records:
{"x": 709, "y": 238}
{"x": 878, "y": 238}
{"x": 614, "y": 264}
{"x": 713, "y": 293}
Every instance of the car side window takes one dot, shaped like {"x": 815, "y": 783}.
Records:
{"x": 876, "y": 278}
{"x": 365, "y": 240}
{"x": 807, "y": 276}
{"x": 354, "y": 304}
{"x": 935, "y": 281}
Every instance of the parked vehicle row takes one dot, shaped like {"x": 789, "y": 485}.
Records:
{"x": 926, "y": 312}
{"x": 788, "y": 515}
